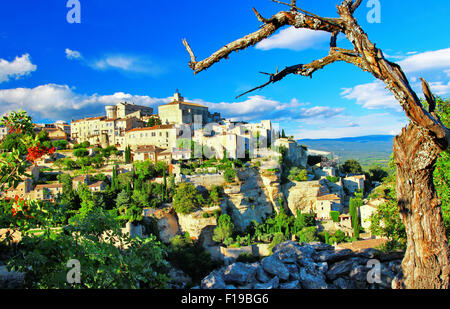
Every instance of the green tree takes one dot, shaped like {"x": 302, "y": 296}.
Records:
{"x": 224, "y": 229}
{"x": 354, "y": 205}
{"x": 352, "y": 167}
{"x": 187, "y": 199}
{"x": 377, "y": 173}
{"x": 298, "y": 174}
{"x": 127, "y": 154}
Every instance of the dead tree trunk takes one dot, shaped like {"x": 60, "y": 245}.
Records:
{"x": 426, "y": 263}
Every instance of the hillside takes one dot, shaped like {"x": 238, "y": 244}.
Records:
{"x": 368, "y": 150}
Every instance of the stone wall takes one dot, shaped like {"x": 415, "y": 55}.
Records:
{"x": 309, "y": 266}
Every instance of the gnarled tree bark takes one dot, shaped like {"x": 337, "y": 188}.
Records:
{"x": 426, "y": 263}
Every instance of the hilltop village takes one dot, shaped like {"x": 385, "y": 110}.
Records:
{"x": 236, "y": 189}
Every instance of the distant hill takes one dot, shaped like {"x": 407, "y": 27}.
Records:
{"x": 368, "y": 150}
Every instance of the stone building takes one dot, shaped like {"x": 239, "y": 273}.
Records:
{"x": 104, "y": 131}
{"x": 98, "y": 186}
{"x": 3, "y": 132}
{"x": 22, "y": 190}
{"x": 162, "y": 136}
{"x": 124, "y": 109}
{"x": 47, "y": 191}
{"x": 150, "y": 152}
{"x": 296, "y": 153}
{"x": 327, "y": 203}
{"x": 181, "y": 112}
{"x": 354, "y": 183}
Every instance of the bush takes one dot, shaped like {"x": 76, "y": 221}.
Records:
{"x": 62, "y": 144}
{"x": 335, "y": 215}
{"x": 229, "y": 175}
{"x": 297, "y": 174}
{"x": 278, "y": 238}
{"x": 308, "y": 234}
{"x": 333, "y": 179}
{"x": 187, "y": 199}
{"x": 80, "y": 152}
{"x": 224, "y": 229}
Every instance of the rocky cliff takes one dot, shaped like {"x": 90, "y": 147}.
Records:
{"x": 303, "y": 195}
{"x": 250, "y": 198}
{"x": 309, "y": 266}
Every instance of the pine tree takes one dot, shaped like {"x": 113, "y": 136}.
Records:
{"x": 128, "y": 155}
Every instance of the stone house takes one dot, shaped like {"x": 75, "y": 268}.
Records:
{"x": 22, "y": 190}
{"x": 180, "y": 112}
{"x": 327, "y": 203}
{"x": 47, "y": 191}
{"x": 76, "y": 181}
{"x": 354, "y": 183}
{"x": 162, "y": 136}
{"x": 150, "y": 152}
{"x": 98, "y": 186}
{"x": 365, "y": 212}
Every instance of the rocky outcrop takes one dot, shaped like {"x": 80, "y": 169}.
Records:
{"x": 303, "y": 195}
{"x": 167, "y": 222}
{"x": 197, "y": 226}
{"x": 309, "y": 266}
{"x": 247, "y": 199}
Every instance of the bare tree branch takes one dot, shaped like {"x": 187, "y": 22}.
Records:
{"x": 296, "y": 19}
{"x": 336, "y": 54}
{"x": 429, "y": 97}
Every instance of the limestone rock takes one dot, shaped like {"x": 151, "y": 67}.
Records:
{"x": 342, "y": 268}
{"x": 334, "y": 256}
{"x": 239, "y": 273}
{"x": 214, "y": 281}
{"x": 344, "y": 284}
{"x": 272, "y": 284}
{"x": 261, "y": 275}
{"x": 274, "y": 266}
{"x": 309, "y": 281}
{"x": 292, "y": 285}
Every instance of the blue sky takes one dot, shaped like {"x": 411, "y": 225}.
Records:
{"x": 131, "y": 50}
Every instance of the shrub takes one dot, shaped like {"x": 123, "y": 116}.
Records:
{"x": 80, "y": 152}
{"x": 187, "y": 199}
{"x": 278, "y": 238}
{"x": 335, "y": 215}
{"x": 297, "y": 174}
{"x": 224, "y": 229}
{"x": 230, "y": 175}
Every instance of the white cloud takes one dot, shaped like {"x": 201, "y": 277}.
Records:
{"x": 294, "y": 39}
{"x": 73, "y": 54}
{"x": 19, "y": 67}
{"x": 53, "y": 101}
{"x": 440, "y": 88}
{"x": 119, "y": 62}
{"x": 320, "y": 111}
{"x": 430, "y": 60}
{"x": 372, "y": 96}
{"x": 258, "y": 107}
{"x": 352, "y": 126}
